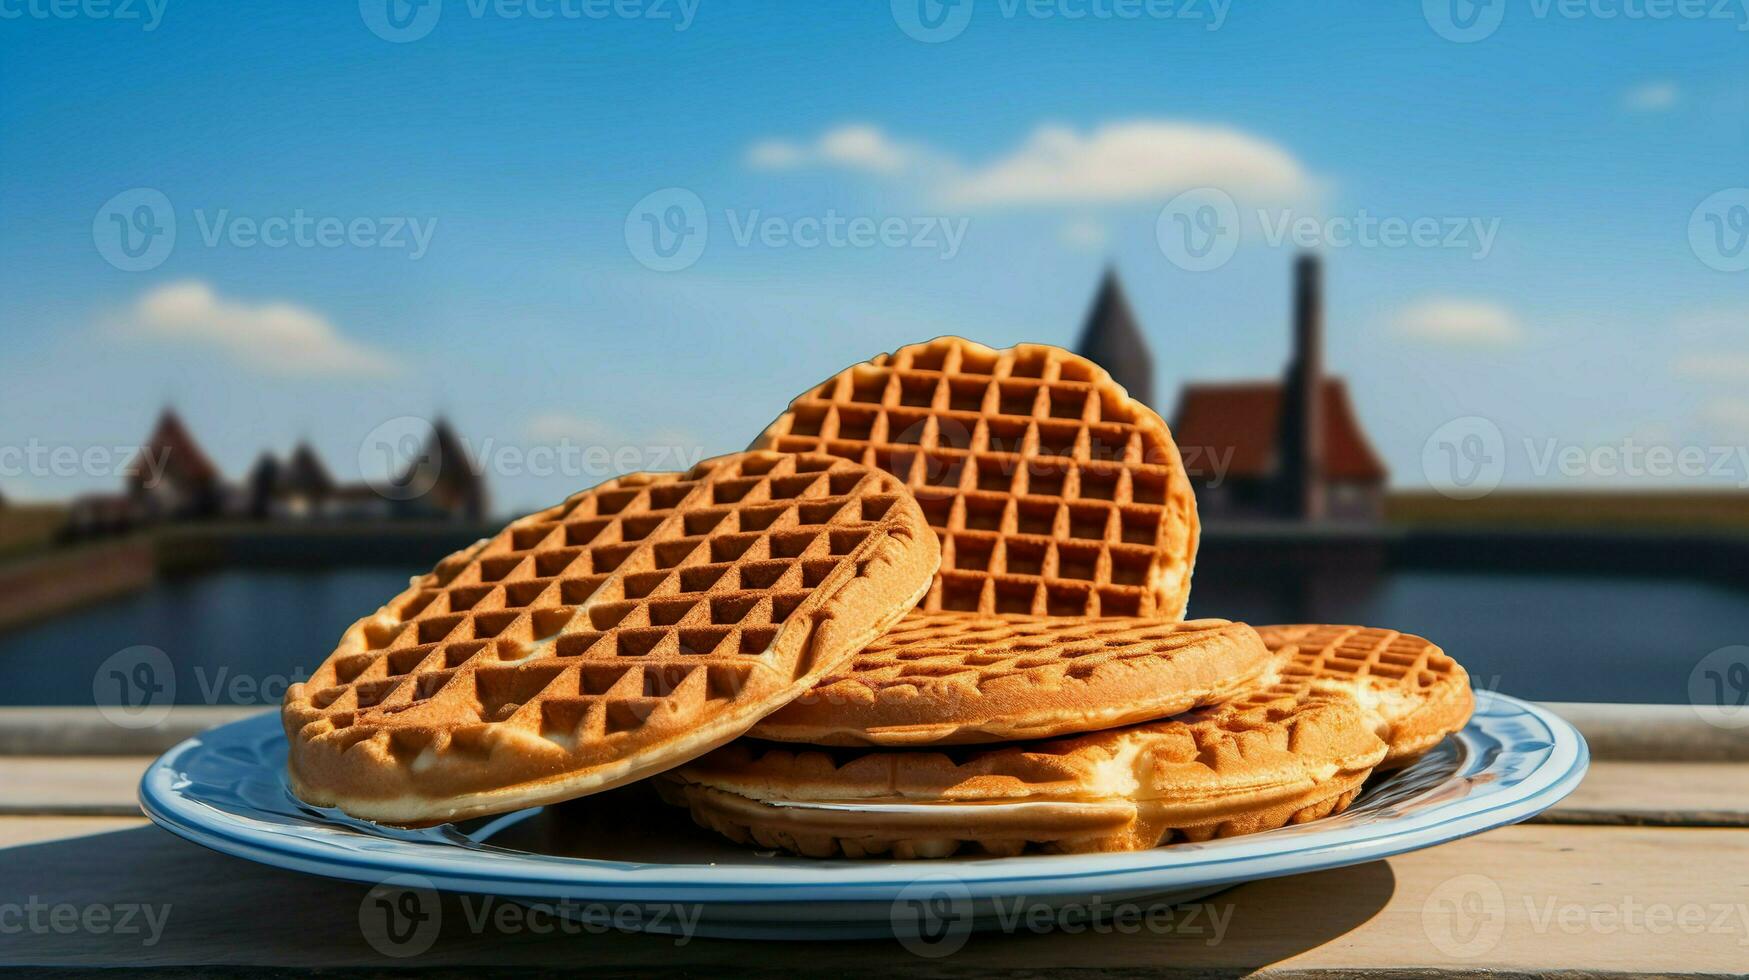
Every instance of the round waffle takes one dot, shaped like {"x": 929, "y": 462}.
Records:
{"x": 624, "y": 631}
{"x": 954, "y": 678}
{"x": 1212, "y": 773}
{"x": 1413, "y": 695}
{"x": 1053, "y": 491}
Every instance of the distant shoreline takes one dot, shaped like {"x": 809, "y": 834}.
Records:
{"x": 1520, "y": 533}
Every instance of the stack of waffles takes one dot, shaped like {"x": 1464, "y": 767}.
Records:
{"x": 936, "y": 608}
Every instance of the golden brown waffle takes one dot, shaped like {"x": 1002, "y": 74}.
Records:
{"x": 954, "y": 678}
{"x": 1412, "y": 693}
{"x": 1053, "y": 491}
{"x": 1212, "y": 773}
{"x": 622, "y": 632}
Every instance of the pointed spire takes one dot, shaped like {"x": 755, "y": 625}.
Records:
{"x": 447, "y": 471}
{"x": 304, "y": 473}
{"x": 1111, "y": 339}
{"x": 172, "y": 451}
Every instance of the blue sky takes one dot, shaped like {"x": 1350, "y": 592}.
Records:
{"x": 1570, "y": 153}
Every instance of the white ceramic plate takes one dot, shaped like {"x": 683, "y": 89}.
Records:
{"x": 225, "y": 789}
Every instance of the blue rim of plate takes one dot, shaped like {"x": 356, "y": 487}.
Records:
{"x": 225, "y": 790}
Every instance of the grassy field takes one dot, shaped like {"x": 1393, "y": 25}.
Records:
{"x": 27, "y": 528}
{"x": 1661, "y": 510}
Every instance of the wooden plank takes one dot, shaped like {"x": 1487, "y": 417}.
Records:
{"x": 1706, "y": 794}
{"x": 73, "y": 785}
{"x": 76, "y": 731}
{"x": 17, "y": 832}
{"x": 1713, "y": 794}
{"x": 1615, "y": 732}
{"x": 1535, "y": 898}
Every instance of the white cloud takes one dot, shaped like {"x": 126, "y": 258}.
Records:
{"x": 1141, "y": 160}
{"x": 1652, "y": 97}
{"x": 274, "y": 338}
{"x": 1713, "y": 367}
{"x": 1459, "y": 322}
{"x": 1137, "y": 160}
{"x": 1084, "y": 233}
{"x": 853, "y": 146}
{"x": 1730, "y": 416}
{"x": 775, "y": 155}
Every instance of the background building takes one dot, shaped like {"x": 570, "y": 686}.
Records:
{"x": 172, "y": 479}
{"x": 1292, "y": 449}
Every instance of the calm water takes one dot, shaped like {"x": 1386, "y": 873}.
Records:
{"x": 238, "y": 637}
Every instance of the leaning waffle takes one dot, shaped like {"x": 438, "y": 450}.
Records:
{"x": 622, "y": 632}
{"x": 1413, "y": 694}
{"x": 1053, "y": 491}
{"x": 1212, "y": 773}
{"x": 954, "y": 678}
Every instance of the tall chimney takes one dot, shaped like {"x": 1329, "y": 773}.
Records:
{"x": 1301, "y": 433}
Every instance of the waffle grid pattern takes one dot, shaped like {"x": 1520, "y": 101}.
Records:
{"x": 1053, "y": 493}
{"x": 1348, "y": 656}
{"x": 641, "y": 601}
{"x": 927, "y": 647}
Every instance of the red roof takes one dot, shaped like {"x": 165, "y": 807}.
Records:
{"x": 1246, "y": 417}
{"x": 172, "y": 447}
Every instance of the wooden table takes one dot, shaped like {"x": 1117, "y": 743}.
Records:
{"x": 1644, "y": 869}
